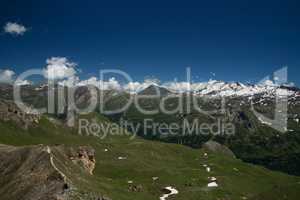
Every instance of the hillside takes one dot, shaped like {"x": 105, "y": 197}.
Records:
{"x": 255, "y": 141}
{"x": 137, "y": 169}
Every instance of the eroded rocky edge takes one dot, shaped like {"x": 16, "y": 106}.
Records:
{"x": 45, "y": 172}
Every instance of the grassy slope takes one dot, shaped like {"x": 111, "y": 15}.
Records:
{"x": 175, "y": 165}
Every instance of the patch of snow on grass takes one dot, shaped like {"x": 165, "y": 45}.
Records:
{"x": 208, "y": 169}
{"x": 172, "y": 190}
{"x": 212, "y": 184}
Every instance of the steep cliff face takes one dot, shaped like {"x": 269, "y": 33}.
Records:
{"x": 39, "y": 172}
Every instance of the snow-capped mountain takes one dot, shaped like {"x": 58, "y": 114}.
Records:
{"x": 220, "y": 88}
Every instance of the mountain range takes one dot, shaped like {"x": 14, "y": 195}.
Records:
{"x": 43, "y": 158}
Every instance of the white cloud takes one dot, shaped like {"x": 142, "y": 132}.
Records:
{"x": 23, "y": 82}
{"x": 91, "y": 81}
{"x": 112, "y": 83}
{"x": 59, "y": 68}
{"x": 267, "y": 82}
{"x": 6, "y": 76}
{"x": 135, "y": 87}
{"x": 70, "y": 82}
{"x": 178, "y": 86}
{"x": 14, "y": 28}
{"x": 152, "y": 81}
{"x": 185, "y": 86}
{"x": 211, "y": 87}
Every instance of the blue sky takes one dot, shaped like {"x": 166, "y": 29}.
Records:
{"x": 236, "y": 40}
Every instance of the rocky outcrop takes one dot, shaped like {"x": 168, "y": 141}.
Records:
{"x": 218, "y": 148}
{"x": 26, "y": 173}
{"x": 85, "y": 157}
{"x": 23, "y": 118}
{"x": 44, "y": 173}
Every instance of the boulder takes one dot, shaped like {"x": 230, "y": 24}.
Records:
{"x": 218, "y": 148}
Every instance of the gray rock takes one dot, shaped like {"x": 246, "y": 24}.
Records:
{"x": 218, "y": 148}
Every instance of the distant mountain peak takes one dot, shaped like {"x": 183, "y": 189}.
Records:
{"x": 155, "y": 89}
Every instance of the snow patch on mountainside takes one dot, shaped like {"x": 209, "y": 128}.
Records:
{"x": 220, "y": 88}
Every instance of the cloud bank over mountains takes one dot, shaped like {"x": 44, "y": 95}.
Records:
{"x": 65, "y": 73}
{"x": 6, "y": 76}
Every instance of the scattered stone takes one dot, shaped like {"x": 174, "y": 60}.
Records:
{"x": 235, "y": 169}
{"x": 135, "y": 188}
